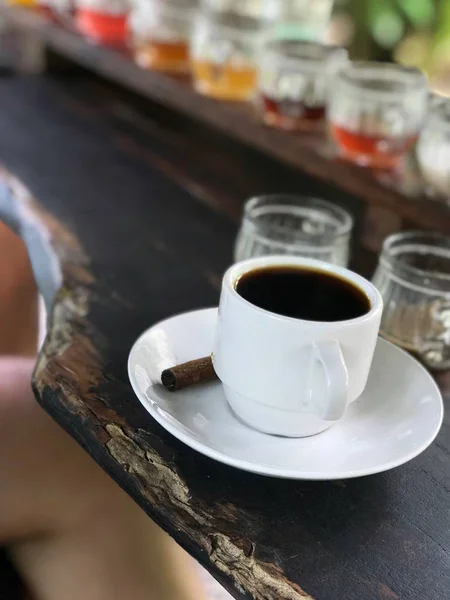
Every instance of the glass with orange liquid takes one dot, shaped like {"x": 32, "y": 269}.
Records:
{"x": 160, "y": 31}
{"x": 225, "y": 47}
{"x": 294, "y": 81}
{"x": 103, "y": 21}
{"x": 376, "y": 111}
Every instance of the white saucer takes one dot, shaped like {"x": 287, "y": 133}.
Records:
{"x": 396, "y": 418}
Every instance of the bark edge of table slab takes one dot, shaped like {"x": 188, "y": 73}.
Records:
{"x": 66, "y": 379}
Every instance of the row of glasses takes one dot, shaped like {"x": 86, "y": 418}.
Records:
{"x": 413, "y": 273}
{"x": 237, "y": 50}
{"x": 374, "y": 111}
{"x": 218, "y": 41}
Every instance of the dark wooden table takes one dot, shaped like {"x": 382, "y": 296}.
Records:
{"x": 132, "y": 218}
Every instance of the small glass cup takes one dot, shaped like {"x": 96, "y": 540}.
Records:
{"x": 224, "y": 48}
{"x": 103, "y": 21}
{"x": 160, "y": 34}
{"x": 293, "y": 82}
{"x": 376, "y": 111}
{"x": 433, "y": 148}
{"x": 413, "y": 276}
{"x": 289, "y": 224}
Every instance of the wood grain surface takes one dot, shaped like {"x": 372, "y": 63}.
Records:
{"x": 129, "y": 223}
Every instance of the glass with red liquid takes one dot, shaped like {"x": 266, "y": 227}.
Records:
{"x": 103, "y": 22}
{"x": 293, "y": 82}
{"x": 376, "y": 111}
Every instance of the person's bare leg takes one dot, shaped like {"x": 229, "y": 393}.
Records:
{"x": 73, "y": 532}
{"x": 18, "y": 297}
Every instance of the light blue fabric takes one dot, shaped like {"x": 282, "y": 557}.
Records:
{"x": 44, "y": 262}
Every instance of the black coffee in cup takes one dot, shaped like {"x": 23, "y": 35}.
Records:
{"x": 303, "y": 293}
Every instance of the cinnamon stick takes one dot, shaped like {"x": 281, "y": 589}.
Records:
{"x": 187, "y": 374}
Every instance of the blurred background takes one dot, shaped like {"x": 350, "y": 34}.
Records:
{"x": 411, "y": 32}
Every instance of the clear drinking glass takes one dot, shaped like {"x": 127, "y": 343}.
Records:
{"x": 294, "y": 81}
{"x": 413, "y": 277}
{"x": 289, "y": 224}
{"x": 228, "y": 36}
{"x": 433, "y": 148}
{"x": 160, "y": 33}
{"x": 376, "y": 111}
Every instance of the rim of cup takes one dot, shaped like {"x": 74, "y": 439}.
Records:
{"x": 305, "y": 54}
{"x": 233, "y": 274}
{"x": 257, "y": 206}
{"x": 367, "y": 79}
{"x": 391, "y": 259}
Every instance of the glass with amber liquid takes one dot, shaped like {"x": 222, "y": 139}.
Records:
{"x": 293, "y": 82}
{"x": 160, "y": 33}
{"x": 376, "y": 111}
{"x": 225, "y": 47}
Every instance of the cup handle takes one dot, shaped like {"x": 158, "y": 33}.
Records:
{"x": 329, "y": 354}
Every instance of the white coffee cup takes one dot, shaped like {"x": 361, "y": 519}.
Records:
{"x": 288, "y": 376}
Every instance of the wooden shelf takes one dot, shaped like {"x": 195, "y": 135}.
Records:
{"x": 310, "y": 153}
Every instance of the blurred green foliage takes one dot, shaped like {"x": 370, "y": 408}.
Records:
{"x": 413, "y": 32}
